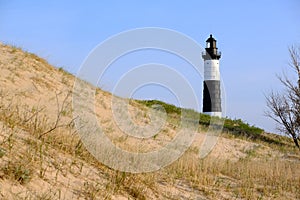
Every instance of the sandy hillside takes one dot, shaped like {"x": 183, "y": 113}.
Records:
{"x": 42, "y": 156}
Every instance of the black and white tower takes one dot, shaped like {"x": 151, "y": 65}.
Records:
{"x": 211, "y": 86}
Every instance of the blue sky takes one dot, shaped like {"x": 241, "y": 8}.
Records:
{"x": 253, "y": 36}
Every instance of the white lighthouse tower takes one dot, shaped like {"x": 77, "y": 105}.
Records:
{"x": 211, "y": 86}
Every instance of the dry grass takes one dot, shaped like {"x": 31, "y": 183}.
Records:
{"x": 42, "y": 157}
{"x": 247, "y": 178}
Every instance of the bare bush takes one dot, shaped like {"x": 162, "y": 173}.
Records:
{"x": 284, "y": 107}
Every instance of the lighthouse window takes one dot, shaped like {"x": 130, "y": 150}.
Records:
{"x": 207, "y": 45}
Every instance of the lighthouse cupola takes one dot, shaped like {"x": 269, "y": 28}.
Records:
{"x": 211, "y": 50}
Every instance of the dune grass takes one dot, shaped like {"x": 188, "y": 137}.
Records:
{"x": 27, "y": 157}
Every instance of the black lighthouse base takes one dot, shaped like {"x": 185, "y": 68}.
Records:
{"x": 212, "y": 96}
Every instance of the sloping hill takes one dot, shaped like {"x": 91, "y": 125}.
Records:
{"x": 42, "y": 157}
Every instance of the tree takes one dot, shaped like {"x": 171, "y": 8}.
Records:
{"x": 284, "y": 107}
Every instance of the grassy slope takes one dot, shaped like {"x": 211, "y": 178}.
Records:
{"x": 37, "y": 163}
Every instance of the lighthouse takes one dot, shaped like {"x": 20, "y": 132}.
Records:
{"x": 211, "y": 84}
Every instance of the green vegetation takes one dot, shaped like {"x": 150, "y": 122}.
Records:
{"x": 18, "y": 172}
{"x": 169, "y": 108}
{"x": 236, "y": 126}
